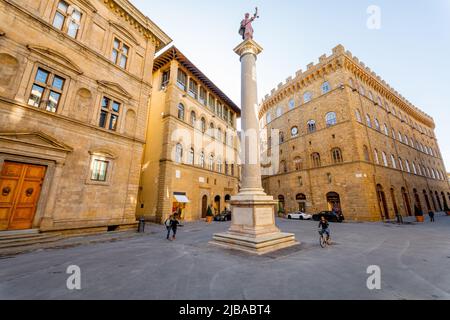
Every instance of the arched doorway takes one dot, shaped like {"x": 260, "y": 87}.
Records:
{"x": 444, "y": 201}
{"x": 406, "y": 202}
{"x": 334, "y": 201}
{"x": 433, "y": 201}
{"x": 438, "y": 201}
{"x": 301, "y": 200}
{"x": 227, "y": 202}
{"x": 217, "y": 205}
{"x": 204, "y": 206}
{"x": 418, "y": 204}
{"x": 427, "y": 201}
{"x": 394, "y": 202}
{"x": 382, "y": 202}
{"x": 281, "y": 203}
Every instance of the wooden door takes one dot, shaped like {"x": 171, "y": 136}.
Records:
{"x": 20, "y": 187}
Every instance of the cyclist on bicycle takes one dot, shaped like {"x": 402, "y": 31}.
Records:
{"x": 324, "y": 227}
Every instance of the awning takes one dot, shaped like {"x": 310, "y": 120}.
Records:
{"x": 181, "y": 198}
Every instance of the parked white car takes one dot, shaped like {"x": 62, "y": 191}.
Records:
{"x": 299, "y": 216}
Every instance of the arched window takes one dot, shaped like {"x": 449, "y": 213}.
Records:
{"x": 291, "y": 104}
{"x": 315, "y": 160}
{"x": 433, "y": 173}
{"x": 414, "y": 167}
{"x": 408, "y": 168}
{"x": 385, "y": 162}
{"x": 281, "y": 137}
{"x": 326, "y": 87}
{"x": 380, "y": 103}
{"x": 362, "y": 90}
{"x": 203, "y": 125}
{"x": 386, "y": 130}
{"x": 351, "y": 83}
{"x": 298, "y": 163}
{"x": 307, "y": 97}
{"x": 211, "y": 162}
{"x": 294, "y": 131}
{"x": 219, "y": 134}
{"x": 393, "y": 134}
{"x": 193, "y": 119}
{"x": 358, "y": 116}
{"x": 394, "y": 163}
{"x": 377, "y": 124}
{"x": 331, "y": 119}
{"x": 219, "y": 165}
{"x": 400, "y": 138}
{"x": 368, "y": 121}
{"x": 211, "y": 129}
{"x": 400, "y": 162}
{"x": 336, "y": 155}
{"x": 178, "y": 153}
{"x": 406, "y": 139}
{"x": 202, "y": 159}
{"x": 268, "y": 118}
{"x": 279, "y": 111}
{"x": 181, "y": 111}
{"x": 191, "y": 156}
{"x": 311, "y": 126}
{"x": 375, "y": 155}
{"x": 366, "y": 153}
{"x": 371, "y": 96}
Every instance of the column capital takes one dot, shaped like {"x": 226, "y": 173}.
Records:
{"x": 248, "y": 47}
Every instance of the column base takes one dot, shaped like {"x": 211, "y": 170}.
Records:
{"x": 253, "y": 228}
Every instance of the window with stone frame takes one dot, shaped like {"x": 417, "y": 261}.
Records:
{"x": 191, "y": 157}
{"x": 100, "y": 168}
{"x": 336, "y": 155}
{"x": 203, "y": 96}
{"x": 193, "y": 119}
{"x": 109, "y": 114}
{"x": 180, "y": 111}
{"x": 182, "y": 80}
{"x": 67, "y": 18}
{"x": 358, "y": 116}
{"x": 298, "y": 164}
{"x": 165, "y": 79}
{"x": 366, "y": 153}
{"x": 193, "y": 88}
{"x": 307, "y": 97}
{"x": 331, "y": 119}
{"x": 315, "y": 160}
{"x": 178, "y": 153}
{"x": 212, "y": 103}
{"x": 46, "y": 90}
{"x": 326, "y": 87}
{"x": 311, "y": 126}
{"x": 120, "y": 53}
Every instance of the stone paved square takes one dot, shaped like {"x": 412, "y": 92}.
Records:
{"x": 414, "y": 261}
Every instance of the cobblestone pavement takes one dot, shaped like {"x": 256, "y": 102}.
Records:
{"x": 414, "y": 261}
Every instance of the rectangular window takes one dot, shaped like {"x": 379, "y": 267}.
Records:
{"x": 182, "y": 80}
{"x": 67, "y": 19}
{"x": 99, "y": 170}
{"x": 165, "y": 79}
{"x": 193, "y": 89}
{"x": 109, "y": 114}
{"x": 46, "y": 91}
{"x": 202, "y": 96}
{"x": 120, "y": 53}
{"x": 212, "y": 103}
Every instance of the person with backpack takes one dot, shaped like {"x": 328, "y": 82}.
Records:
{"x": 168, "y": 224}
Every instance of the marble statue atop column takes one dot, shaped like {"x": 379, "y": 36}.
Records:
{"x": 253, "y": 228}
{"x": 246, "y": 29}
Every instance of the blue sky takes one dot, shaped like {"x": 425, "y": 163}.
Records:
{"x": 411, "y": 51}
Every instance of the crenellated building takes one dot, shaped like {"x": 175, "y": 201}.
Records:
{"x": 191, "y": 156}
{"x": 75, "y": 82}
{"x": 338, "y": 136}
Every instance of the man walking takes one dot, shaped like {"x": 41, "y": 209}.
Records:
{"x": 431, "y": 214}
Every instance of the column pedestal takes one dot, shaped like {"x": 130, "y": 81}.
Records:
{"x": 253, "y": 228}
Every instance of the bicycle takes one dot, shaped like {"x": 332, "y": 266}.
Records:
{"x": 325, "y": 240}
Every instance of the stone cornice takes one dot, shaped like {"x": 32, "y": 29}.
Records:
{"x": 139, "y": 21}
{"x": 341, "y": 59}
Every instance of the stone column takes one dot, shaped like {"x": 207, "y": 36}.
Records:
{"x": 253, "y": 226}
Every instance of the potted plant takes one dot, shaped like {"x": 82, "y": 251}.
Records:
{"x": 419, "y": 214}
{"x": 209, "y": 215}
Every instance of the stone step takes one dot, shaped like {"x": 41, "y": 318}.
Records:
{"x": 18, "y": 232}
{"x": 29, "y": 241}
{"x": 18, "y": 237}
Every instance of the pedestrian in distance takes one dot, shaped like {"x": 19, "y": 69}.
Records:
{"x": 431, "y": 214}
{"x": 168, "y": 224}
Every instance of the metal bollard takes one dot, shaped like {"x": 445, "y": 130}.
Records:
{"x": 141, "y": 226}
